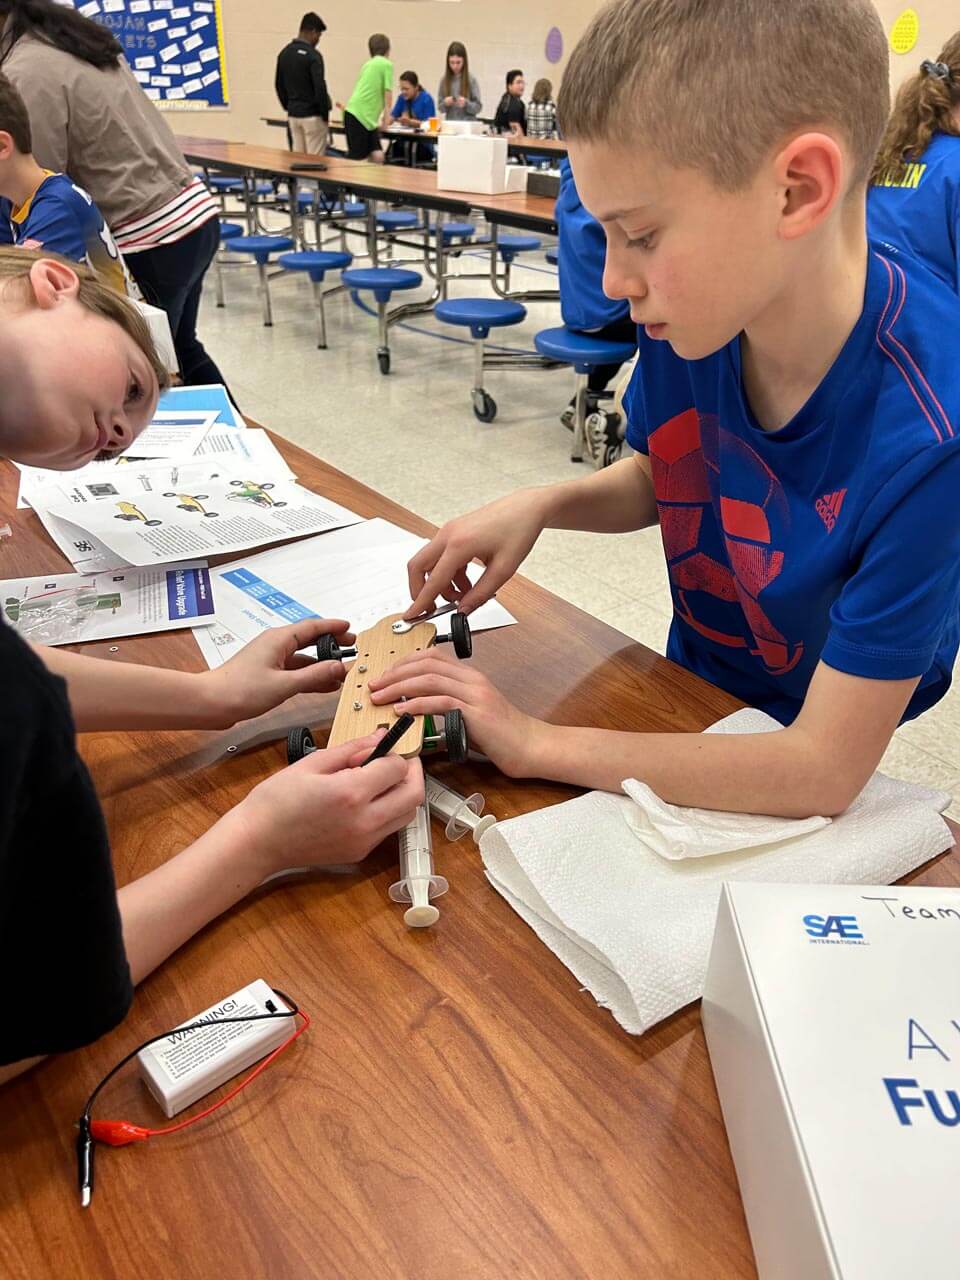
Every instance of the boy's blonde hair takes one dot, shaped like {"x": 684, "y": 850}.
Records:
{"x": 716, "y": 84}
{"x": 925, "y": 105}
{"x": 96, "y": 296}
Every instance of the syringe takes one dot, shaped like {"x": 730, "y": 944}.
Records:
{"x": 460, "y": 813}
{"x": 417, "y": 883}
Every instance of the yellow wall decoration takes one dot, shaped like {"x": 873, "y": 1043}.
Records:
{"x": 904, "y": 32}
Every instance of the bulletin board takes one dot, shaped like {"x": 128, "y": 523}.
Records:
{"x": 174, "y": 47}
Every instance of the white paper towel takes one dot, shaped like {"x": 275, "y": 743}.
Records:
{"x": 635, "y": 928}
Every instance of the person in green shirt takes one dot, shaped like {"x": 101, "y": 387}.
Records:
{"x": 370, "y": 103}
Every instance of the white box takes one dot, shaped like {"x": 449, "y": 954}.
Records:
{"x": 832, "y": 1016}
{"x": 517, "y": 177}
{"x": 186, "y": 1065}
{"x": 472, "y": 164}
{"x": 463, "y": 127}
{"x": 159, "y": 327}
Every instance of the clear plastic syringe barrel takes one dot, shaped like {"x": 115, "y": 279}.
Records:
{"x": 460, "y": 813}
{"x": 417, "y": 883}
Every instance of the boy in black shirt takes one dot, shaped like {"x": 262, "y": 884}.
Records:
{"x": 78, "y": 376}
{"x": 511, "y": 114}
{"x": 302, "y": 88}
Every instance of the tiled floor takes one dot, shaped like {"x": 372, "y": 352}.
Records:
{"x": 413, "y": 436}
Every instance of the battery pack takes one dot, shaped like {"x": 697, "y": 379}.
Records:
{"x": 186, "y": 1065}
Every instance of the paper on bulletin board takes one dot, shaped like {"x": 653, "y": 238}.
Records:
{"x": 69, "y": 608}
{"x": 905, "y": 31}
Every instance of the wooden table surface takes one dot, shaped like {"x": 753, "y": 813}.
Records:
{"x": 459, "y": 1108}
{"x": 377, "y": 181}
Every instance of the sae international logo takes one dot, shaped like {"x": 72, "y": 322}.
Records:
{"x": 834, "y": 929}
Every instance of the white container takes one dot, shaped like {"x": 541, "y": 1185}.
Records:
{"x": 159, "y": 327}
{"x": 472, "y": 164}
{"x": 517, "y": 177}
{"x": 832, "y": 1016}
{"x": 463, "y": 128}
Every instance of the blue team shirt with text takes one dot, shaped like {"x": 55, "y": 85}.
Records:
{"x": 836, "y": 538}
{"x": 920, "y": 214}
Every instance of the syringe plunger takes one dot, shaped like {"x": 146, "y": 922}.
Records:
{"x": 417, "y": 883}
{"x": 460, "y": 813}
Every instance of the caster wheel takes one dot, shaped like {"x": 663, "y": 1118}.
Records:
{"x": 460, "y": 635}
{"x": 383, "y": 360}
{"x": 455, "y": 732}
{"x": 299, "y": 744}
{"x": 484, "y": 406}
{"x": 327, "y": 649}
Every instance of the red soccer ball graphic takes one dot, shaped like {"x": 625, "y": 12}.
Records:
{"x": 721, "y": 551}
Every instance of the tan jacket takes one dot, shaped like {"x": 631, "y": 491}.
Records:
{"x": 99, "y": 128}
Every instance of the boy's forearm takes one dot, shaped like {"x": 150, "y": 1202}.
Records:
{"x": 125, "y": 695}
{"x": 618, "y": 499}
{"x": 166, "y": 907}
{"x": 780, "y": 773}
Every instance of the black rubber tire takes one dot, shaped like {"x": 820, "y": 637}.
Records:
{"x": 455, "y": 731}
{"x": 328, "y": 650}
{"x": 460, "y": 635}
{"x": 299, "y": 744}
{"x": 486, "y": 410}
{"x": 383, "y": 360}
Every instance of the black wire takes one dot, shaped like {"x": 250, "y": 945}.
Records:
{"x": 292, "y": 1012}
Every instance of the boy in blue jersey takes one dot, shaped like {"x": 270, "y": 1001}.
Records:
{"x": 44, "y": 210}
{"x": 795, "y": 411}
{"x": 914, "y": 198}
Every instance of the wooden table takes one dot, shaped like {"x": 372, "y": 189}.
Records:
{"x": 416, "y": 187}
{"x": 516, "y": 146}
{"x": 459, "y": 1108}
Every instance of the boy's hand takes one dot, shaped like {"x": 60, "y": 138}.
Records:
{"x": 434, "y": 682}
{"x": 269, "y": 670}
{"x": 500, "y": 534}
{"x": 326, "y": 810}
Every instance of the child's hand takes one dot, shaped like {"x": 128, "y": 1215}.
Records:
{"x": 500, "y": 534}
{"x": 269, "y": 670}
{"x": 326, "y": 810}
{"x": 435, "y": 682}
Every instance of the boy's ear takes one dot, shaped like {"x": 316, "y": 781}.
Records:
{"x": 8, "y": 147}
{"x": 52, "y": 282}
{"x": 810, "y": 171}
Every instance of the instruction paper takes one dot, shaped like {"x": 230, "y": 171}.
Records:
{"x": 358, "y": 573}
{"x": 185, "y": 522}
{"x": 68, "y": 608}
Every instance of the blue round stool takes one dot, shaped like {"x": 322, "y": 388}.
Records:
{"x": 316, "y": 263}
{"x": 396, "y": 220}
{"x": 480, "y": 315}
{"x": 261, "y": 249}
{"x": 509, "y": 247}
{"x": 222, "y": 183}
{"x": 381, "y": 282}
{"x": 585, "y": 352}
{"x": 553, "y": 257}
{"x": 230, "y": 230}
{"x": 454, "y": 230}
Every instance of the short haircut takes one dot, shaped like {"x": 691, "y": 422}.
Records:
{"x": 379, "y": 45}
{"x": 313, "y": 22}
{"x": 542, "y": 90}
{"x": 94, "y": 294}
{"x": 715, "y": 85}
{"x": 14, "y": 118}
{"x": 512, "y": 75}
{"x": 411, "y": 77}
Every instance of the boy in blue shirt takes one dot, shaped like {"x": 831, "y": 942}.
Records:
{"x": 413, "y": 105}
{"x": 914, "y": 198}
{"x": 795, "y": 411}
{"x": 44, "y": 210}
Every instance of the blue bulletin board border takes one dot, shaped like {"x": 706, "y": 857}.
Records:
{"x": 188, "y": 79}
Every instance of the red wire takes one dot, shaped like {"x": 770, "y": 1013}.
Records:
{"x": 262, "y": 1066}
